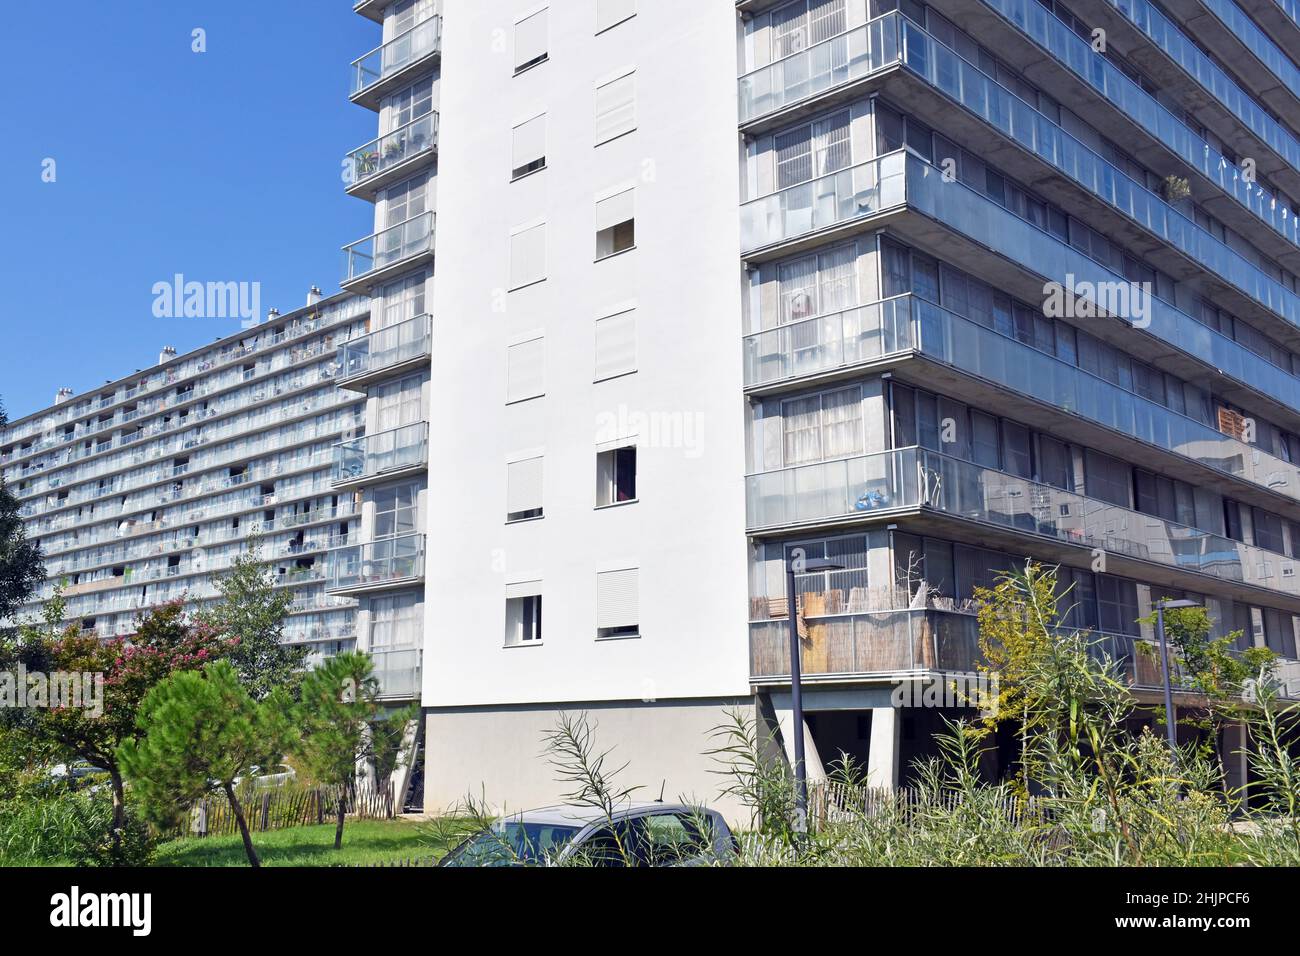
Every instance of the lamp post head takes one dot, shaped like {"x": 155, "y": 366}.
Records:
{"x": 1174, "y": 605}
{"x": 801, "y": 565}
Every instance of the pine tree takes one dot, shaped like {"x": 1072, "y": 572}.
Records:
{"x": 341, "y": 723}
{"x": 202, "y": 733}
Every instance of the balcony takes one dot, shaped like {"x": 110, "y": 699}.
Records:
{"x": 947, "y": 208}
{"x": 371, "y": 260}
{"x": 860, "y": 645}
{"x": 1184, "y": 64}
{"x": 398, "y": 673}
{"x": 371, "y": 9}
{"x": 1102, "y": 78}
{"x": 391, "y": 157}
{"x": 386, "y": 67}
{"x": 845, "y": 344}
{"x": 382, "y": 456}
{"x": 385, "y": 353}
{"x": 823, "y": 207}
{"x": 925, "y": 483}
{"x": 376, "y": 566}
{"x": 838, "y": 66}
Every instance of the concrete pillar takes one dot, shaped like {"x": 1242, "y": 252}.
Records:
{"x": 813, "y": 766}
{"x": 882, "y": 757}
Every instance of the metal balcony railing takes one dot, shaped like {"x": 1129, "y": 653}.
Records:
{"x": 382, "y": 453}
{"x": 385, "y": 348}
{"x": 392, "y": 149}
{"x": 388, "y": 561}
{"x": 388, "y": 247}
{"x": 415, "y": 44}
{"x": 922, "y": 480}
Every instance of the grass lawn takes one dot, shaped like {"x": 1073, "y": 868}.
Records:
{"x": 364, "y": 841}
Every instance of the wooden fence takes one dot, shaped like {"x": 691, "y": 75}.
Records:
{"x": 280, "y": 808}
{"x": 410, "y": 862}
{"x": 832, "y": 801}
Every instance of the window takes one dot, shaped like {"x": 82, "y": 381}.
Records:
{"x": 617, "y": 604}
{"x": 616, "y": 224}
{"x": 529, "y": 152}
{"x": 403, "y": 300}
{"x": 523, "y": 613}
{"x": 524, "y": 489}
{"x": 528, "y": 256}
{"x": 801, "y": 24}
{"x": 1107, "y": 478}
{"x": 406, "y": 200}
{"x": 613, "y": 12}
{"x": 812, "y": 150}
{"x": 822, "y": 427}
{"x": 615, "y": 108}
{"x": 818, "y": 284}
{"x": 394, "y": 622}
{"x": 615, "y": 475}
{"x": 530, "y": 41}
{"x": 400, "y": 403}
{"x": 396, "y": 510}
{"x": 615, "y": 345}
{"x": 525, "y": 370}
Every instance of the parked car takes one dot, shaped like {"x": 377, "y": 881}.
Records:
{"x": 646, "y": 834}
{"x": 270, "y": 778}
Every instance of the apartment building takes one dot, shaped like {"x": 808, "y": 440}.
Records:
{"x": 141, "y": 491}
{"x": 935, "y": 287}
{"x": 386, "y": 464}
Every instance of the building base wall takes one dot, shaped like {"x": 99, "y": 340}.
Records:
{"x": 496, "y": 754}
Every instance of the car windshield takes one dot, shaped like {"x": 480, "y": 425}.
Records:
{"x": 513, "y": 843}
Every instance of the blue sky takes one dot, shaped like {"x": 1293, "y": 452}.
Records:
{"x": 223, "y": 166}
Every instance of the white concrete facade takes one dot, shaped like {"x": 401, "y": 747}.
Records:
{"x": 682, "y": 406}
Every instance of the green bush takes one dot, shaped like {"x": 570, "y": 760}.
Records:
{"x": 65, "y": 826}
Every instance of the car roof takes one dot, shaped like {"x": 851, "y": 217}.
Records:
{"x": 580, "y": 815}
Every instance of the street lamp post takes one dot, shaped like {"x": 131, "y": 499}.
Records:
{"x": 1171, "y": 730}
{"x": 798, "y": 563}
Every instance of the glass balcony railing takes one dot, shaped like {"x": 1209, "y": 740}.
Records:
{"x": 833, "y": 200}
{"x": 824, "y": 66}
{"x": 398, "y": 672}
{"x": 388, "y": 247}
{"x": 386, "y": 348}
{"x": 1256, "y": 40}
{"x": 398, "y": 53}
{"x": 974, "y": 215}
{"x": 387, "y": 561}
{"x": 979, "y": 93}
{"x": 1292, "y": 9}
{"x": 1069, "y": 49}
{"x": 391, "y": 150}
{"x": 887, "y": 481}
{"x": 910, "y": 323}
{"x": 1162, "y": 32}
{"x": 917, "y": 478}
{"x": 382, "y": 453}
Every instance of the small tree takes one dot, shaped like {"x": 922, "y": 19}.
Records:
{"x": 1214, "y": 670}
{"x": 202, "y": 733}
{"x": 252, "y": 611}
{"x": 341, "y": 724}
{"x": 162, "y": 645}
